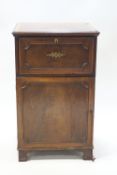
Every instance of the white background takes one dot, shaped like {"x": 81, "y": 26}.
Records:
{"x": 103, "y": 15}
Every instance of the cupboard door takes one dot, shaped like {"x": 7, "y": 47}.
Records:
{"x": 54, "y": 112}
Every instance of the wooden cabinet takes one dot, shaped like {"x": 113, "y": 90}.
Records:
{"x": 55, "y": 78}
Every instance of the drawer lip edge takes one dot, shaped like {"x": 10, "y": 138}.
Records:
{"x": 31, "y": 34}
{"x": 56, "y": 75}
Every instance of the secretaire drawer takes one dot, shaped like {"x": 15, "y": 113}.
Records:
{"x": 56, "y": 55}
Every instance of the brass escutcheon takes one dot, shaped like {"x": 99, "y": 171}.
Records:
{"x": 56, "y": 40}
{"x": 55, "y": 54}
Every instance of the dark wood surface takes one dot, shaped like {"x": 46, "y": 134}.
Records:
{"x": 55, "y": 110}
{"x": 55, "y": 80}
{"x": 59, "y": 55}
{"x": 52, "y": 29}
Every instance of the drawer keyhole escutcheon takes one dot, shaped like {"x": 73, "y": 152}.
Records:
{"x": 56, "y": 40}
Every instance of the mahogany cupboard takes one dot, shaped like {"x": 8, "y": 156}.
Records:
{"x": 55, "y": 81}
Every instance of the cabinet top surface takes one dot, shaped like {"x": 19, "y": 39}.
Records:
{"x": 35, "y": 29}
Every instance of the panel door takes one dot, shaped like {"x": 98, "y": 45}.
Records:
{"x": 54, "y": 112}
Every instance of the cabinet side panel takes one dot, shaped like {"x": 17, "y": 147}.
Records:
{"x": 91, "y": 111}
{"x": 17, "y": 54}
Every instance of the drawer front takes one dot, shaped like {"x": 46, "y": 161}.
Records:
{"x": 54, "y": 112}
{"x": 61, "y": 55}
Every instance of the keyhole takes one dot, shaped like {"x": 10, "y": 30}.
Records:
{"x": 56, "y": 41}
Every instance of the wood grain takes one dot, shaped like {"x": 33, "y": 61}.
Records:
{"x": 54, "y": 110}
{"x": 69, "y": 56}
